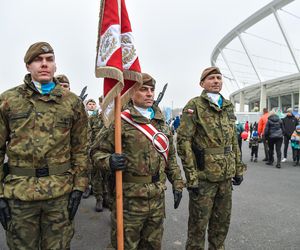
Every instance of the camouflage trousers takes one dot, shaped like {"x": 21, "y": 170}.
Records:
{"x": 143, "y": 223}
{"x": 212, "y": 208}
{"x": 39, "y": 225}
{"x": 97, "y": 182}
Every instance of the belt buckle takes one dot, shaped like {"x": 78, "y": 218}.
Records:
{"x": 42, "y": 172}
{"x": 227, "y": 150}
{"x": 155, "y": 178}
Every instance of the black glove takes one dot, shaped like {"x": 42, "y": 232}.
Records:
{"x": 193, "y": 190}
{"x": 117, "y": 162}
{"x": 237, "y": 180}
{"x": 74, "y": 201}
{"x": 177, "y": 198}
{"x": 4, "y": 213}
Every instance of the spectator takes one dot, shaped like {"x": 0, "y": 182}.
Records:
{"x": 253, "y": 144}
{"x": 289, "y": 125}
{"x": 260, "y": 129}
{"x": 274, "y": 134}
{"x": 176, "y": 123}
{"x": 295, "y": 141}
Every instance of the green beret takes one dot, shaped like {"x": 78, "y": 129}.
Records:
{"x": 37, "y": 49}
{"x": 148, "y": 80}
{"x": 209, "y": 71}
{"x": 62, "y": 78}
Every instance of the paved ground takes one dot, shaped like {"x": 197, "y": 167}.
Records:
{"x": 265, "y": 216}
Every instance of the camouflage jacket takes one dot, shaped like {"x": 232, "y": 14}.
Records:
{"x": 141, "y": 157}
{"x": 95, "y": 125}
{"x": 42, "y": 131}
{"x": 206, "y": 125}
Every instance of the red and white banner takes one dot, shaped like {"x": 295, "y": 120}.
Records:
{"x": 116, "y": 60}
{"x": 159, "y": 140}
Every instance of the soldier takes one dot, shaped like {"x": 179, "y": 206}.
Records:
{"x": 43, "y": 131}
{"x": 63, "y": 81}
{"x": 146, "y": 162}
{"x": 91, "y": 109}
{"x": 207, "y": 146}
{"x": 99, "y": 178}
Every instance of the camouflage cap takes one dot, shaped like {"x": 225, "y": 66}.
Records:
{"x": 148, "y": 80}
{"x": 90, "y": 100}
{"x": 62, "y": 78}
{"x": 37, "y": 49}
{"x": 209, "y": 71}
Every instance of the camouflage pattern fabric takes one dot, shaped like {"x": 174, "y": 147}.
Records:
{"x": 28, "y": 230}
{"x": 142, "y": 159}
{"x": 212, "y": 206}
{"x": 99, "y": 179}
{"x": 205, "y": 125}
{"x": 139, "y": 212}
{"x": 42, "y": 131}
{"x": 208, "y": 126}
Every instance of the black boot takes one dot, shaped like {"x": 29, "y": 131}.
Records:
{"x": 255, "y": 160}
{"x": 99, "y": 205}
{"x": 105, "y": 201}
{"x": 278, "y": 165}
{"x": 251, "y": 158}
{"x": 269, "y": 163}
{"x": 86, "y": 193}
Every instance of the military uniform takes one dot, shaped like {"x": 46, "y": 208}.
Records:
{"x": 143, "y": 180}
{"x": 46, "y": 138}
{"x": 99, "y": 178}
{"x": 209, "y": 131}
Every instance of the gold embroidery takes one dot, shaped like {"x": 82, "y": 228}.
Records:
{"x": 107, "y": 45}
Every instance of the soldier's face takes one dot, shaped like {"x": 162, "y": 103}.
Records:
{"x": 212, "y": 83}
{"x": 42, "y": 68}
{"x": 144, "y": 97}
{"x": 91, "y": 106}
{"x": 65, "y": 85}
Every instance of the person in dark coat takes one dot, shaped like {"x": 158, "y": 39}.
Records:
{"x": 289, "y": 125}
{"x": 274, "y": 134}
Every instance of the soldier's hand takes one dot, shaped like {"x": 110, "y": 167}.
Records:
{"x": 117, "y": 162}
{"x": 74, "y": 201}
{"x": 4, "y": 213}
{"x": 237, "y": 180}
{"x": 177, "y": 198}
{"x": 193, "y": 190}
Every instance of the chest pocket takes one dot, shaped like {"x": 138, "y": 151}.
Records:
{"x": 64, "y": 122}
{"x": 17, "y": 120}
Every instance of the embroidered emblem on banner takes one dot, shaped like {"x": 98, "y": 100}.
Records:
{"x": 159, "y": 140}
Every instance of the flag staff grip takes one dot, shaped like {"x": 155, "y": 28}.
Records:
{"x": 119, "y": 191}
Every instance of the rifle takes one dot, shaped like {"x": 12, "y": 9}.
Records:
{"x": 161, "y": 95}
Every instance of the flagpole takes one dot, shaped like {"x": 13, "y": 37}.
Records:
{"x": 119, "y": 191}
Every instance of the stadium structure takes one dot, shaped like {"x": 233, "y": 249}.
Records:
{"x": 260, "y": 61}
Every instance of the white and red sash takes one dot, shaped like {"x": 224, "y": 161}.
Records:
{"x": 159, "y": 140}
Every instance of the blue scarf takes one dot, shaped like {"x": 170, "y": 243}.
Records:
{"x": 44, "y": 88}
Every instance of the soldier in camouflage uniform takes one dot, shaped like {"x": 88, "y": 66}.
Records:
{"x": 144, "y": 171}
{"x": 207, "y": 146}
{"x": 91, "y": 109}
{"x": 63, "y": 81}
{"x": 99, "y": 178}
{"x": 43, "y": 131}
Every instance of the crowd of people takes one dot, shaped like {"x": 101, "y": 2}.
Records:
{"x": 54, "y": 151}
{"x": 272, "y": 132}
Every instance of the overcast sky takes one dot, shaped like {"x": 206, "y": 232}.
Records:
{"x": 174, "y": 39}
